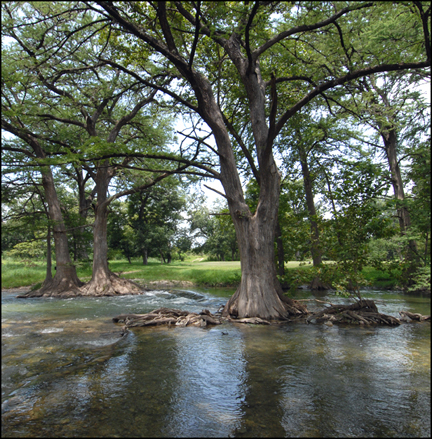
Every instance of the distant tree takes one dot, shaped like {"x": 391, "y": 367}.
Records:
{"x": 154, "y": 215}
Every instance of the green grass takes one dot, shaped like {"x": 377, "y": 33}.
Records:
{"x": 17, "y": 273}
{"x": 199, "y": 272}
{"x": 379, "y": 279}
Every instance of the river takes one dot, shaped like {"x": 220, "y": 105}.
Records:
{"x": 67, "y": 372}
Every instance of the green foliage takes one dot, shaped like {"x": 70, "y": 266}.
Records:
{"x": 421, "y": 279}
{"x": 28, "y": 250}
{"x": 217, "y": 231}
{"x": 147, "y": 223}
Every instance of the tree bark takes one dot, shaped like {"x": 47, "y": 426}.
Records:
{"x": 48, "y": 277}
{"x": 103, "y": 281}
{"x": 390, "y": 143}
{"x": 280, "y": 250}
{"x": 84, "y": 206}
{"x": 65, "y": 281}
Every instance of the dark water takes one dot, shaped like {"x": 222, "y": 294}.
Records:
{"x": 66, "y": 372}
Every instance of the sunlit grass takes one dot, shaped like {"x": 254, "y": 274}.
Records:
{"x": 199, "y": 273}
{"x": 16, "y": 273}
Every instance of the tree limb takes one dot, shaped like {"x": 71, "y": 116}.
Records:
{"x": 257, "y": 52}
{"x": 342, "y": 80}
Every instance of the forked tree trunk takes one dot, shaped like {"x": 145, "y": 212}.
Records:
{"x": 260, "y": 293}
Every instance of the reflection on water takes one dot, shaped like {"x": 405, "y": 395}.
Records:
{"x": 68, "y": 372}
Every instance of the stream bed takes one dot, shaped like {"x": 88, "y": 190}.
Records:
{"x": 67, "y": 371}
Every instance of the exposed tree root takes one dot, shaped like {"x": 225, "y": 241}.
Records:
{"x": 294, "y": 307}
{"x": 67, "y": 285}
{"x": 363, "y": 312}
{"x": 110, "y": 286}
{"x": 168, "y": 316}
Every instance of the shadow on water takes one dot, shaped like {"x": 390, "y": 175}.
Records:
{"x": 67, "y": 372}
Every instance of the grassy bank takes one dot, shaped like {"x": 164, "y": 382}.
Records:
{"x": 17, "y": 273}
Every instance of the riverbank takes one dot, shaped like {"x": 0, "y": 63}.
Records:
{"x": 192, "y": 272}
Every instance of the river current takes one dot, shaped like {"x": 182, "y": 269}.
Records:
{"x": 67, "y": 372}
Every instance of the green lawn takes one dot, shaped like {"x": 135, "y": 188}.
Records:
{"x": 17, "y": 273}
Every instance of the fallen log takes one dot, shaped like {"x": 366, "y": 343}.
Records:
{"x": 251, "y": 320}
{"x": 407, "y": 316}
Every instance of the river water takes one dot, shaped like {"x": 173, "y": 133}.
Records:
{"x": 67, "y": 372}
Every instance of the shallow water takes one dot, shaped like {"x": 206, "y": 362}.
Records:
{"x": 67, "y": 372}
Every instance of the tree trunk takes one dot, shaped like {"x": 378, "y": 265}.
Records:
{"x": 260, "y": 293}
{"x": 103, "y": 281}
{"x": 280, "y": 250}
{"x": 390, "y": 143}
{"x": 48, "y": 277}
{"x": 145, "y": 257}
{"x": 307, "y": 182}
{"x": 65, "y": 281}
{"x": 389, "y": 135}
{"x": 85, "y": 203}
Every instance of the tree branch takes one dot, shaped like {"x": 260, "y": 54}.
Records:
{"x": 305, "y": 27}
{"x": 424, "y": 17}
{"x": 243, "y": 147}
{"x": 214, "y": 190}
{"x": 247, "y": 39}
{"x": 128, "y": 117}
{"x": 155, "y": 86}
{"x": 195, "y": 41}
{"x": 342, "y": 80}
